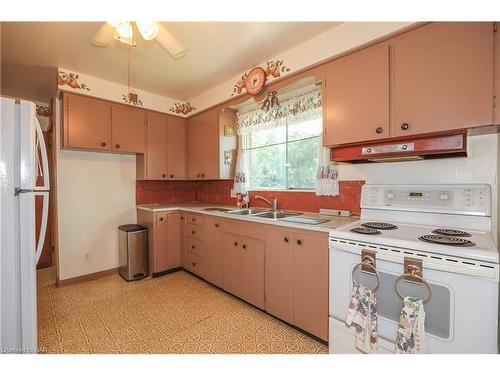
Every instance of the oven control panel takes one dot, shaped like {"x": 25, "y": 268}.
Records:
{"x": 473, "y": 199}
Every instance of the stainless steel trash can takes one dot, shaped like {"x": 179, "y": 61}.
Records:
{"x": 133, "y": 248}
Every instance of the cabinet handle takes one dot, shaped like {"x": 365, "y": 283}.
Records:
{"x": 198, "y": 175}
{"x": 182, "y": 217}
{"x": 164, "y": 175}
{"x": 379, "y": 130}
{"x": 236, "y": 244}
{"x": 194, "y": 264}
{"x": 193, "y": 219}
{"x": 193, "y": 232}
{"x": 117, "y": 146}
{"x": 161, "y": 219}
{"x": 171, "y": 176}
{"x": 203, "y": 175}
{"x": 405, "y": 126}
{"x": 217, "y": 225}
{"x": 244, "y": 246}
{"x": 285, "y": 239}
{"x": 299, "y": 242}
{"x": 193, "y": 247}
{"x": 103, "y": 144}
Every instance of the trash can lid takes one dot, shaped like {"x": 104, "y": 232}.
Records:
{"x": 131, "y": 228}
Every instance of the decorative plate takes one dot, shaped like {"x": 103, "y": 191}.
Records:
{"x": 255, "y": 80}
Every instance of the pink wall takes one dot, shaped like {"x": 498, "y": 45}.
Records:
{"x": 219, "y": 192}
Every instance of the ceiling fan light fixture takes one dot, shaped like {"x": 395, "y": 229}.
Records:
{"x": 148, "y": 30}
{"x": 125, "y": 33}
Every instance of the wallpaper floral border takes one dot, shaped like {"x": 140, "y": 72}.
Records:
{"x": 274, "y": 68}
{"x": 71, "y": 79}
{"x": 132, "y": 98}
{"x": 183, "y": 108}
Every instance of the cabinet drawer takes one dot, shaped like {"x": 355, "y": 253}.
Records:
{"x": 194, "y": 231}
{"x": 194, "y": 219}
{"x": 195, "y": 264}
{"x": 194, "y": 246}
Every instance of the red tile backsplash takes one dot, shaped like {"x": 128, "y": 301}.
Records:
{"x": 219, "y": 192}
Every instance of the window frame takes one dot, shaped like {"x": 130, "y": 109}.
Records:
{"x": 245, "y": 139}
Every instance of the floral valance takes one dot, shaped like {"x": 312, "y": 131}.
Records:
{"x": 297, "y": 106}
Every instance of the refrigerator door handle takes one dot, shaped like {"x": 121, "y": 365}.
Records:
{"x": 43, "y": 151}
{"x": 43, "y": 224}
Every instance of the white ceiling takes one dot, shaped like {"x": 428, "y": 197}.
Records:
{"x": 216, "y": 51}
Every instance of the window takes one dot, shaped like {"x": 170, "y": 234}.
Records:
{"x": 284, "y": 157}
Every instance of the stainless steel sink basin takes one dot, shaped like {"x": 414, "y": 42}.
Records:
{"x": 249, "y": 211}
{"x": 217, "y": 209}
{"x": 277, "y": 215}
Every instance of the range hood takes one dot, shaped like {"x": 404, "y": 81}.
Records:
{"x": 417, "y": 147}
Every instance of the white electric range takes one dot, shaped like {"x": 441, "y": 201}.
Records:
{"x": 445, "y": 230}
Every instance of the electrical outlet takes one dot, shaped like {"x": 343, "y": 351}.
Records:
{"x": 233, "y": 193}
{"x": 86, "y": 258}
{"x": 332, "y": 212}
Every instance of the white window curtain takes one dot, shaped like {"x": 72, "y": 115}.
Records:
{"x": 295, "y": 106}
{"x": 327, "y": 177}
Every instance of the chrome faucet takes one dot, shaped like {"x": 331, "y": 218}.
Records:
{"x": 273, "y": 204}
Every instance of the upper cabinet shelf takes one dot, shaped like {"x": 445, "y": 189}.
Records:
{"x": 435, "y": 78}
{"x": 98, "y": 125}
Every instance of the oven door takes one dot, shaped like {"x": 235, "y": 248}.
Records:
{"x": 461, "y": 317}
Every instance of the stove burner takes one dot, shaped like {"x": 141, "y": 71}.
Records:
{"x": 451, "y": 232}
{"x": 381, "y": 226}
{"x": 445, "y": 240}
{"x": 363, "y": 230}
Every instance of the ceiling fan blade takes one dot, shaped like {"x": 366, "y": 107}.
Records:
{"x": 170, "y": 42}
{"x": 104, "y": 35}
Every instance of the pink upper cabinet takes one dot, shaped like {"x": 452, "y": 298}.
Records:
{"x": 442, "y": 77}
{"x": 496, "y": 72}
{"x": 357, "y": 97}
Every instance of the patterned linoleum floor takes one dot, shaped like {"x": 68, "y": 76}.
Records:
{"x": 176, "y": 313}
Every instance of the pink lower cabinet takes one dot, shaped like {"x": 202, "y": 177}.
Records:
{"x": 195, "y": 248}
{"x": 243, "y": 267}
{"x": 212, "y": 231}
{"x": 164, "y": 239}
{"x": 311, "y": 283}
{"x": 297, "y": 279}
{"x": 279, "y": 274}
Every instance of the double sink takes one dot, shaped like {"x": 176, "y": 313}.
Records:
{"x": 263, "y": 213}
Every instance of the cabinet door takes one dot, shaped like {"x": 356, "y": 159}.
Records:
{"x": 357, "y": 97}
{"x": 203, "y": 146}
{"x": 156, "y": 149}
{"x": 231, "y": 263}
{"x": 87, "y": 123}
{"x": 183, "y": 238}
{"x": 252, "y": 271}
{"x": 160, "y": 243}
{"x": 213, "y": 250}
{"x": 279, "y": 274}
{"x": 311, "y": 284}
{"x": 496, "y": 73}
{"x": 176, "y": 149}
{"x": 442, "y": 77}
{"x": 127, "y": 129}
{"x": 174, "y": 240}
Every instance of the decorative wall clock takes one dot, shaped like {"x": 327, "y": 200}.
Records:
{"x": 255, "y": 80}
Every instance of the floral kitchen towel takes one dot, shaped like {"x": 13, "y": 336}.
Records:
{"x": 410, "y": 338}
{"x": 362, "y": 314}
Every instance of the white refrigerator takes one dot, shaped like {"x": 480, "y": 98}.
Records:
{"x": 24, "y": 175}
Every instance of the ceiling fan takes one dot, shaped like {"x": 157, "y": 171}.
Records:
{"x": 124, "y": 31}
